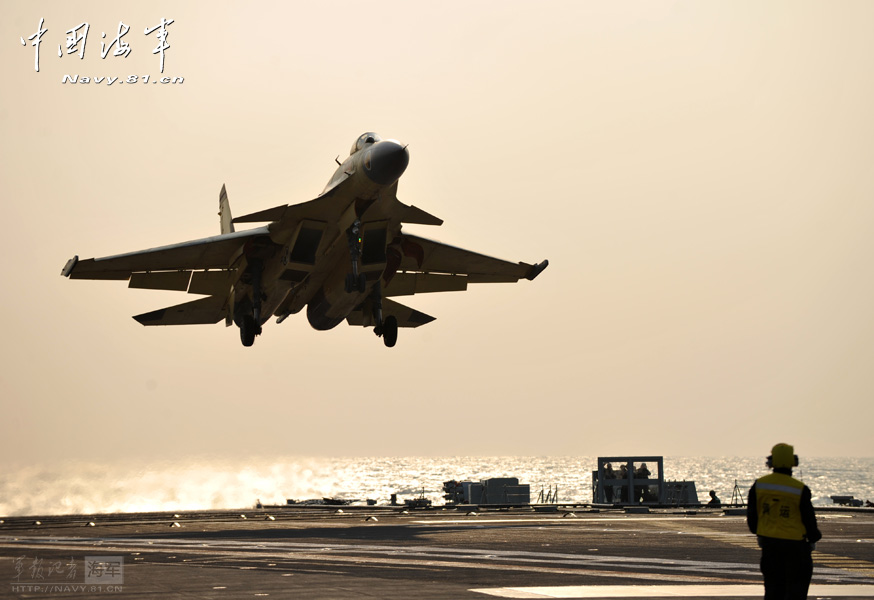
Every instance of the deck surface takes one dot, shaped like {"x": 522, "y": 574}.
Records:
{"x": 379, "y": 552}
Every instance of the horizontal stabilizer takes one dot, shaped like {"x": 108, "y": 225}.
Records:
{"x": 206, "y": 311}
{"x": 406, "y": 316}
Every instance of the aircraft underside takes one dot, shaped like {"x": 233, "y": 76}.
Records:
{"x": 346, "y": 287}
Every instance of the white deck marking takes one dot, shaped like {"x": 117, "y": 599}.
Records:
{"x": 555, "y": 520}
{"x": 651, "y": 569}
{"x": 664, "y": 591}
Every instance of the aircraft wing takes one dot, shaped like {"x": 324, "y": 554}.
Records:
{"x": 164, "y": 267}
{"x": 419, "y": 265}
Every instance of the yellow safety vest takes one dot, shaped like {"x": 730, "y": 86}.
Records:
{"x": 778, "y": 503}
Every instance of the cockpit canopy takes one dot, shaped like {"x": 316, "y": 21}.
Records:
{"x": 363, "y": 140}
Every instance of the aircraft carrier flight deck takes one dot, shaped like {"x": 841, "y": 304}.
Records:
{"x": 389, "y": 552}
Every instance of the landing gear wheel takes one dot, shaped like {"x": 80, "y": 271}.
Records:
{"x": 362, "y": 282}
{"x": 390, "y": 331}
{"x": 350, "y": 283}
{"x": 248, "y": 330}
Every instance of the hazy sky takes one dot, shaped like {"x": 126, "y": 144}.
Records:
{"x": 699, "y": 175}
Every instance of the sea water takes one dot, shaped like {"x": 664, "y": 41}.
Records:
{"x": 221, "y": 483}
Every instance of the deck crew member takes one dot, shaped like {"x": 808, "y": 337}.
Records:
{"x": 715, "y": 502}
{"x": 780, "y": 513}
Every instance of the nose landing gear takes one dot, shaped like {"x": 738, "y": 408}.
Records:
{"x": 355, "y": 281}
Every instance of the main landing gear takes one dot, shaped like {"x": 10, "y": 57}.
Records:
{"x": 250, "y": 322}
{"x": 355, "y": 281}
{"x": 389, "y": 331}
{"x": 249, "y": 328}
{"x": 386, "y": 328}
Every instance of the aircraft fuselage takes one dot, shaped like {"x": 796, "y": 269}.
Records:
{"x": 368, "y": 176}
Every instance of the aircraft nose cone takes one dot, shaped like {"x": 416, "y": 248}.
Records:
{"x": 386, "y": 161}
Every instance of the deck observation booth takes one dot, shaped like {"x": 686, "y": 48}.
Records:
{"x": 628, "y": 480}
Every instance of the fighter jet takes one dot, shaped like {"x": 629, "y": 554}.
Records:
{"x": 342, "y": 255}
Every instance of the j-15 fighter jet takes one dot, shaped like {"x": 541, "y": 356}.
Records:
{"x": 342, "y": 256}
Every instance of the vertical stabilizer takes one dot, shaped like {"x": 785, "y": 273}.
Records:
{"x": 225, "y": 212}
{"x": 227, "y": 225}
